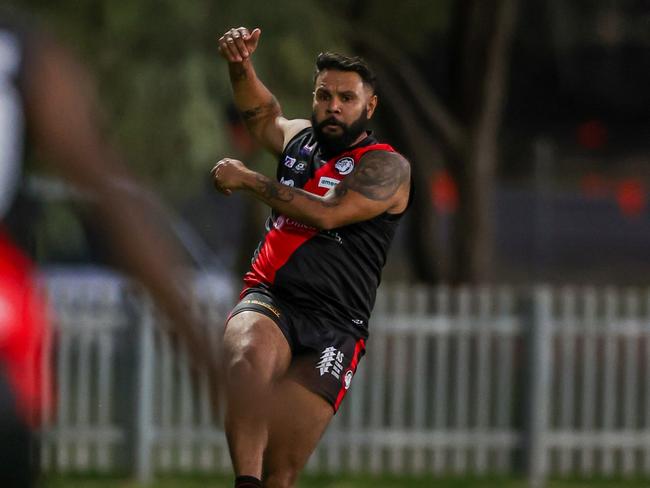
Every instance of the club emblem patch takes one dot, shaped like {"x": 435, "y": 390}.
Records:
{"x": 347, "y": 379}
{"x": 344, "y": 165}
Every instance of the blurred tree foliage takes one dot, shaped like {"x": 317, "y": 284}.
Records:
{"x": 163, "y": 88}
{"x": 458, "y": 129}
{"x": 166, "y": 93}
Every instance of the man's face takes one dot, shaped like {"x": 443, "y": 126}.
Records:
{"x": 341, "y": 109}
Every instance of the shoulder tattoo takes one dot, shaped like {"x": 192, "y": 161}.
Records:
{"x": 378, "y": 175}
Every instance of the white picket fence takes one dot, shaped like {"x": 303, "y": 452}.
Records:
{"x": 550, "y": 381}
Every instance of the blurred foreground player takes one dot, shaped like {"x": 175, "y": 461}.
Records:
{"x": 47, "y": 101}
{"x": 293, "y": 342}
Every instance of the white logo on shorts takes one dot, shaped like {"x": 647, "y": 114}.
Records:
{"x": 331, "y": 361}
{"x": 348, "y": 379}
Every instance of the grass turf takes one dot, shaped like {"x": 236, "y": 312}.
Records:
{"x": 332, "y": 482}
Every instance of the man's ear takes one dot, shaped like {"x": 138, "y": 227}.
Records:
{"x": 372, "y": 105}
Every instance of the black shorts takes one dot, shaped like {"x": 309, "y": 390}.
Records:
{"x": 325, "y": 355}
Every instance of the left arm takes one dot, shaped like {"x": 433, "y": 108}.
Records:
{"x": 380, "y": 183}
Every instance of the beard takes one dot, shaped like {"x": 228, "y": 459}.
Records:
{"x": 332, "y": 144}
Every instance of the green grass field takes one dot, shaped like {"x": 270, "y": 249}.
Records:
{"x": 334, "y": 482}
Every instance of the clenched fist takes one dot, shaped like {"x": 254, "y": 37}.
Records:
{"x": 229, "y": 174}
{"x": 237, "y": 44}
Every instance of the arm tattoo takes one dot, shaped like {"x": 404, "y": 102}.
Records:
{"x": 261, "y": 111}
{"x": 378, "y": 176}
{"x": 238, "y": 73}
{"x": 272, "y": 190}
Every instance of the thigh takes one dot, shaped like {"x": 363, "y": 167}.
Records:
{"x": 298, "y": 419}
{"x": 253, "y": 338}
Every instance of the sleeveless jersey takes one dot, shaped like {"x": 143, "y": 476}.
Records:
{"x": 24, "y": 322}
{"x": 330, "y": 273}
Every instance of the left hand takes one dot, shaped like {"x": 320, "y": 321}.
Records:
{"x": 228, "y": 175}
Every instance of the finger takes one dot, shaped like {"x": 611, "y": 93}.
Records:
{"x": 214, "y": 169}
{"x": 253, "y": 39}
{"x": 240, "y": 44}
{"x": 225, "y": 51}
{"x": 245, "y": 33}
{"x": 232, "y": 49}
{"x": 223, "y": 48}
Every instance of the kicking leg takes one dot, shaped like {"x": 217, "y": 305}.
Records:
{"x": 256, "y": 354}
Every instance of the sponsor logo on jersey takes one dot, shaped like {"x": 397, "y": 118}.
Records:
{"x": 357, "y": 321}
{"x": 287, "y": 182}
{"x": 347, "y": 379}
{"x": 306, "y": 150}
{"x": 278, "y": 223}
{"x": 289, "y": 161}
{"x": 268, "y": 306}
{"x": 282, "y": 221}
{"x": 344, "y": 165}
{"x": 330, "y": 234}
{"x": 331, "y": 361}
{"x": 327, "y": 182}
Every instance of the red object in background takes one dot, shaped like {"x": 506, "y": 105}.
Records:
{"x": 594, "y": 185}
{"x": 243, "y": 143}
{"x": 444, "y": 192}
{"x": 24, "y": 334}
{"x": 631, "y": 197}
{"x": 592, "y": 134}
{"x": 241, "y": 139}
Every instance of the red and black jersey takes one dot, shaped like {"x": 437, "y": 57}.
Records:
{"x": 333, "y": 273}
{"x": 24, "y": 323}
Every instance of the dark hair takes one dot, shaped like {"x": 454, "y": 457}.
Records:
{"x": 341, "y": 62}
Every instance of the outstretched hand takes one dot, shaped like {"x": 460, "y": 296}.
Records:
{"x": 238, "y": 44}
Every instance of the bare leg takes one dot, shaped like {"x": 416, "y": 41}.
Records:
{"x": 256, "y": 354}
{"x": 299, "y": 418}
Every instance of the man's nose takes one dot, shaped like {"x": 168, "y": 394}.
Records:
{"x": 334, "y": 106}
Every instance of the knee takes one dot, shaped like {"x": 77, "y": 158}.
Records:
{"x": 284, "y": 478}
{"x": 244, "y": 364}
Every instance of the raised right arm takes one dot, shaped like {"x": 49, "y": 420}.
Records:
{"x": 259, "y": 108}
